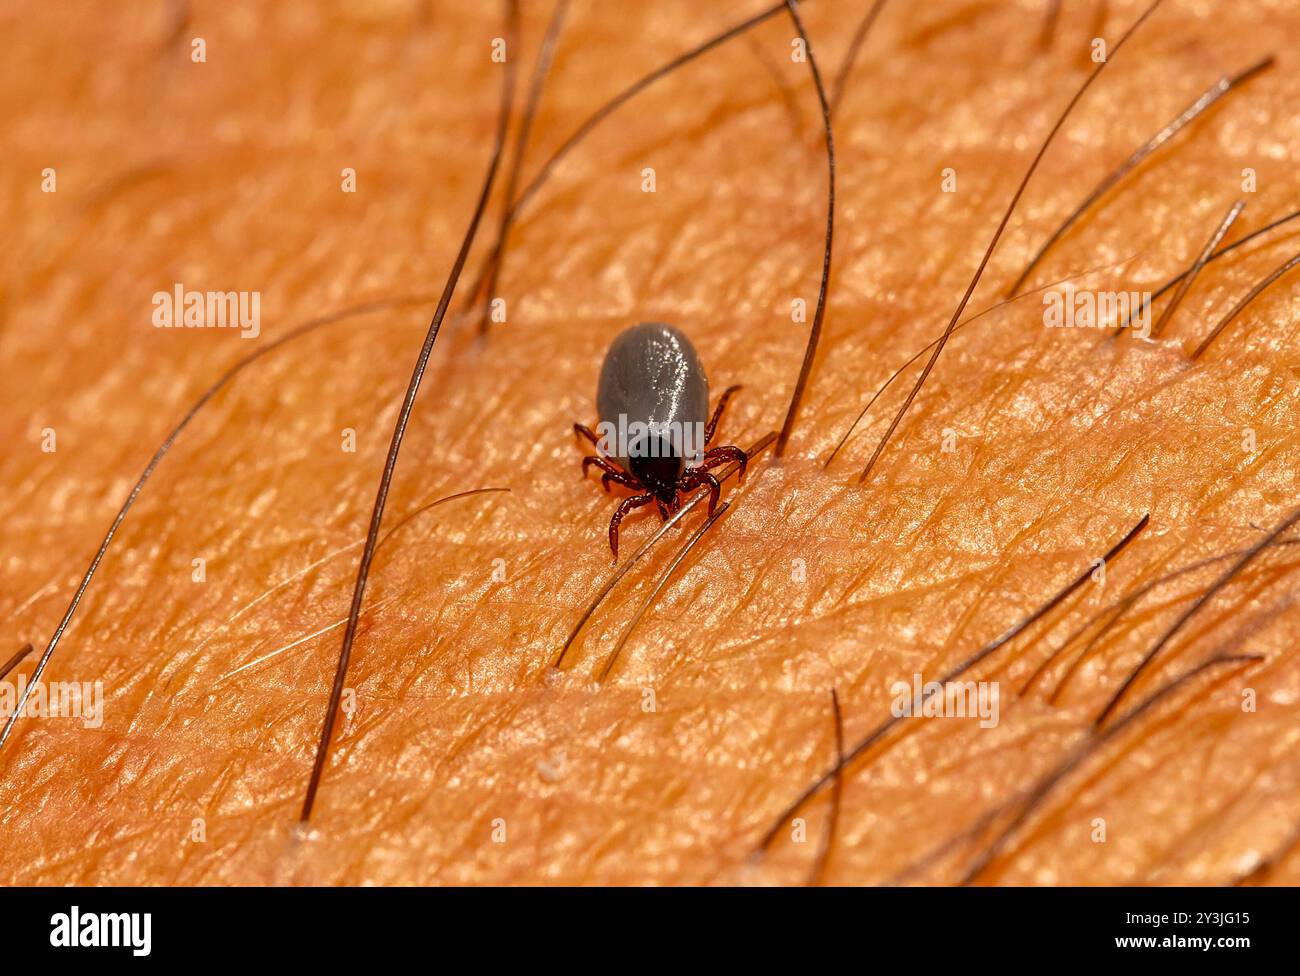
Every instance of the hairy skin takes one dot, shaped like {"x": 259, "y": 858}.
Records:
{"x": 226, "y": 175}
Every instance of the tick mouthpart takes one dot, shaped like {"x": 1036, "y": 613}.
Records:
{"x": 654, "y": 462}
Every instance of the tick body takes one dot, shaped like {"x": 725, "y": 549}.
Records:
{"x": 655, "y": 428}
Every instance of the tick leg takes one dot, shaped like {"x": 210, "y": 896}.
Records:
{"x": 698, "y": 476}
{"x": 719, "y": 455}
{"x": 612, "y": 473}
{"x": 626, "y": 480}
{"x": 717, "y": 414}
{"x": 584, "y": 431}
{"x": 636, "y": 501}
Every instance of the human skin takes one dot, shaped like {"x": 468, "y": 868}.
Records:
{"x": 226, "y": 175}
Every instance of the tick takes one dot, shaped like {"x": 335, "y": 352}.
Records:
{"x": 653, "y": 401}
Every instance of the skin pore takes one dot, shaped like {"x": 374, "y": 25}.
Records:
{"x": 465, "y": 758}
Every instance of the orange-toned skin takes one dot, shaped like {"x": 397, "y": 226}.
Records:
{"x": 226, "y": 175}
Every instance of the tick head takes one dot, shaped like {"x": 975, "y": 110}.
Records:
{"x": 657, "y": 465}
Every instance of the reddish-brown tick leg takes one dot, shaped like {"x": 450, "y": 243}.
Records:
{"x": 720, "y": 455}
{"x": 583, "y": 431}
{"x": 636, "y": 501}
{"x": 626, "y": 480}
{"x": 698, "y": 476}
{"x": 717, "y": 414}
{"x": 612, "y": 472}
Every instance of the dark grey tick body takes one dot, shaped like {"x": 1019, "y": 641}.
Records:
{"x": 653, "y": 399}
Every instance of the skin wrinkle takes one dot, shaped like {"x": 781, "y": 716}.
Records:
{"x": 1045, "y": 825}
{"x": 1115, "y": 762}
{"x": 739, "y": 656}
{"x": 1109, "y": 616}
{"x": 1210, "y": 628}
{"x": 1272, "y": 614}
{"x": 1209, "y": 825}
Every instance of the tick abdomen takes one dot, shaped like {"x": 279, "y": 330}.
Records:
{"x": 652, "y": 377}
